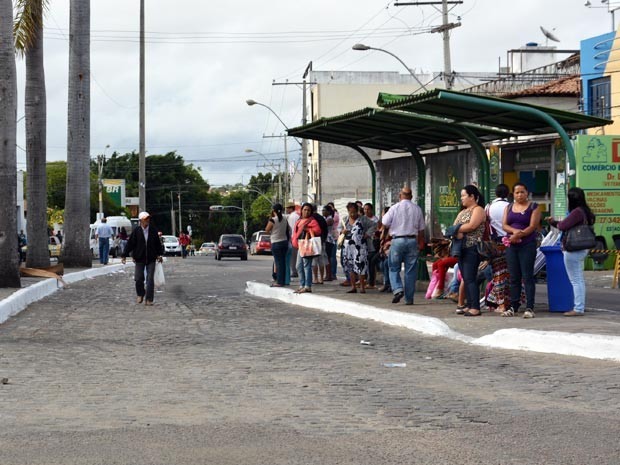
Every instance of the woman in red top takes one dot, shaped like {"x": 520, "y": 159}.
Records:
{"x": 305, "y": 224}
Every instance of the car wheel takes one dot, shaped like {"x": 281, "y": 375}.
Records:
{"x": 244, "y": 257}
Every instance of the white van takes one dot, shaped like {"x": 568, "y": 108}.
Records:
{"x": 116, "y": 223}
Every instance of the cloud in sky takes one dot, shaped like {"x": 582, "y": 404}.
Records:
{"x": 204, "y": 59}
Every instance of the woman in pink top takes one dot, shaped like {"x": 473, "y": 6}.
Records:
{"x": 304, "y": 225}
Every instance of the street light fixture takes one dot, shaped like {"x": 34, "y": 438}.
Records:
{"x": 223, "y": 208}
{"x": 606, "y": 4}
{"x": 252, "y": 102}
{"x": 362, "y": 48}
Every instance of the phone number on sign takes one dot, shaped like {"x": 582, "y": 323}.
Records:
{"x": 608, "y": 219}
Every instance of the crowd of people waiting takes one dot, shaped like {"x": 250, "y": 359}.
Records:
{"x": 367, "y": 244}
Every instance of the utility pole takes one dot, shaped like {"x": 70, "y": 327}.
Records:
{"x": 445, "y": 30}
{"x": 304, "y": 146}
{"x": 142, "y": 154}
{"x": 100, "y": 161}
{"x": 286, "y": 183}
{"x": 172, "y": 218}
{"x": 180, "y": 224}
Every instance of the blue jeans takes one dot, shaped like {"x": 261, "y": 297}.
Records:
{"x": 468, "y": 264}
{"x": 573, "y": 261}
{"x": 142, "y": 272}
{"x": 404, "y": 250}
{"x": 279, "y": 250}
{"x": 104, "y": 250}
{"x": 520, "y": 260}
{"x": 304, "y": 269}
{"x": 334, "y": 260}
{"x": 453, "y": 287}
{"x": 385, "y": 267}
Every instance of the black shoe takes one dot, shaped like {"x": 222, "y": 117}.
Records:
{"x": 408, "y": 303}
{"x": 397, "y": 297}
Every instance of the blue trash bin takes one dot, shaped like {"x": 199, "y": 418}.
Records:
{"x": 559, "y": 288}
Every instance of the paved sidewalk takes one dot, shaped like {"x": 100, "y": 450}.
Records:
{"x": 596, "y": 335}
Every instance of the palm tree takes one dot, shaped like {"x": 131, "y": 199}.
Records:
{"x": 28, "y": 30}
{"x": 76, "y": 250}
{"x": 9, "y": 259}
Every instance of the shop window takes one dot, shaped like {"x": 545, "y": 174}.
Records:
{"x": 600, "y": 97}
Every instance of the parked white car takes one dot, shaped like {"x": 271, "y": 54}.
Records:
{"x": 172, "y": 246}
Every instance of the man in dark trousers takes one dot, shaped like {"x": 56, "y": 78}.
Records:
{"x": 146, "y": 249}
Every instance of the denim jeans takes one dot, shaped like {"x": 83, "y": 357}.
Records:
{"x": 573, "y": 261}
{"x": 385, "y": 267}
{"x": 139, "y": 276}
{"x": 453, "y": 287}
{"x": 404, "y": 250}
{"x": 468, "y": 264}
{"x": 104, "y": 250}
{"x": 279, "y": 250}
{"x": 520, "y": 262}
{"x": 304, "y": 269}
{"x": 334, "y": 260}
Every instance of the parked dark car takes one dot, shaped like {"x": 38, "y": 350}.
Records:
{"x": 231, "y": 245}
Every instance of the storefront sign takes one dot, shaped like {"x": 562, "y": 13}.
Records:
{"x": 598, "y": 174}
{"x": 116, "y": 190}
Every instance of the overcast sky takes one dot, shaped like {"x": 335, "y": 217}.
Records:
{"x": 205, "y": 58}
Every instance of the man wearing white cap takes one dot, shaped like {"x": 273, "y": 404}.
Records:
{"x": 146, "y": 249}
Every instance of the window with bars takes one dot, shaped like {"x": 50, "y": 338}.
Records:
{"x": 600, "y": 97}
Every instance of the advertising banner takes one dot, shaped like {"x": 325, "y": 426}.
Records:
{"x": 448, "y": 180}
{"x": 598, "y": 174}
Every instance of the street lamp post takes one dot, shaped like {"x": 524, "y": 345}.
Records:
{"x": 275, "y": 167}
{"x": 250, "y": 103}
{"x": 100, "y": 162}
{"x": 362, "y": 47}
{"x": 219, "y": 208}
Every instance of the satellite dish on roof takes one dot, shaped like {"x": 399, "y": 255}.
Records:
{"x": 549, "y": 35}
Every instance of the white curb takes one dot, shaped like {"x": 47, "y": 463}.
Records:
{"x": 553, "y": 342}
{"x": 20, "y": 299}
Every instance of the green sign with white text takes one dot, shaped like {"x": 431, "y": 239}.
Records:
{"x": 598, "y": 174}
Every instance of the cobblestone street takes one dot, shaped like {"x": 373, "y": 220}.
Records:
{"x": 212, "y": 375}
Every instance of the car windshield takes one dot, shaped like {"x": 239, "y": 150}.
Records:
{"x": 264, "y": 238}
{"x": 170, "y": 239}
{"x": 232, "y": 240}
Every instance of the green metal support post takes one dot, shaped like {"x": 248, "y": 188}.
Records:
{"x": 477, "y": 146}
{"x": 373, "y": 171}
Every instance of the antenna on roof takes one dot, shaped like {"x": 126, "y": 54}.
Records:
{"x": 549, "y": 35}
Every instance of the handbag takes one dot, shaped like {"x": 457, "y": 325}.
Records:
{"x": 488, "y": 250}
{"x": 341, "y": 237}
{"x": 310, "y": 246}
{"x": 580, "y": 237}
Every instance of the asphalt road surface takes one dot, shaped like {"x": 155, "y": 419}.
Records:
{"x": 210, "y": 375}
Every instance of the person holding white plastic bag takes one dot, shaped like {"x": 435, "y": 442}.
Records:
{"x": 146, "y": 249}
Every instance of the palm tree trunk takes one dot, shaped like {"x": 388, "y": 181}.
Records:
{"x": 36, "y": 181}
{"x": 9, "y": 258}
{"x": 76, "y": 250}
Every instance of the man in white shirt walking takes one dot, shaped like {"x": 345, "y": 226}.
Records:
{"x": 103, "y": 234}
{"x": 406, "y": 223}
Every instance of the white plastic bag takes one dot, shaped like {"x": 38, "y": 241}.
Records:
{"x": 159, "y": 278}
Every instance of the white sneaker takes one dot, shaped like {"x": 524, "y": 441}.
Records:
{"x": 529, "y": 313}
